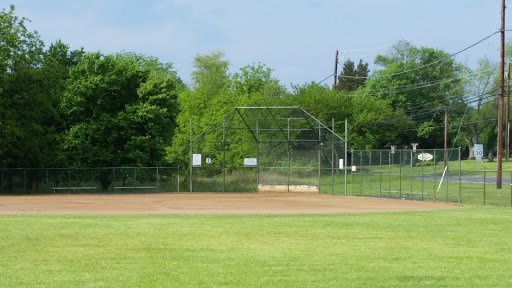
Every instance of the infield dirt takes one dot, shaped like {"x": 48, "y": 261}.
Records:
{"x": 206, "y": 203}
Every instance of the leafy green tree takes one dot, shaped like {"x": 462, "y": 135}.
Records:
{"x": 214, "y": 93}
{"x": 352, "y": 78}
{"x": 480, "y": 99}
{"x": 28, "y": 110}
{"x": 210, "y": 80}
{"x": 367, "y": 117}
{"x": 58, "y": 60}
{"x": 254, "y": 86}
{"x": 121, "y": 111}
{"x": 422, "y": 83}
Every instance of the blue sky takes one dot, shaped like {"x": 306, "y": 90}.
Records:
{"x": 297, "y": 39}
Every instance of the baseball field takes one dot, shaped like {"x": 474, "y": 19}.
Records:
{"x": 250, "y": 240}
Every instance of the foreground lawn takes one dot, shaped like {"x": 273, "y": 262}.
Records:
{"x": 465, "y": 247}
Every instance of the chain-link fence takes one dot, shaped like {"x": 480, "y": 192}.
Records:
{"x": 425, "y": 174}
{"x": 89, "y": 180}
{"x": 479, "y": 187}
{"x": 275, "y": 149}
{"x": 407, "y": 174}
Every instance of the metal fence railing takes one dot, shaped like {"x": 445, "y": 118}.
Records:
{"x": 18, "y": 181}
{"x": 406, "y": 174}
{"x": 433, "y": 174}
{"x": 479, "y": 187}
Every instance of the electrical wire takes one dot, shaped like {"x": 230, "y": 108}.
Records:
{"x": 427, "y": 112}
{"x": 326, "y": 78}
{"x": 414, "y": 86}
{"x": 468, "y": 100}
{"x": 452, "y": 125}
{"x": 426, "y": 65}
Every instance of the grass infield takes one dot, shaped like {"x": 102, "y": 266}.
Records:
{"x": 464, "y": 247}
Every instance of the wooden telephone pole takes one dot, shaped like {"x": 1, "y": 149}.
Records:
{"x": 335, "y": 67}
{"x": 507, "y": 128}
{"x": 500, "y": 100}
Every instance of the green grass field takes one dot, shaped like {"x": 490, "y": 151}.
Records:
{"x": 463, "y": 247}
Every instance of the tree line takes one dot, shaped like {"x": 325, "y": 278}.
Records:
{"x": 61, "y": 107}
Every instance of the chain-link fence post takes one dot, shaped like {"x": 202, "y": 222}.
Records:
{"x": 411, "y": 175}
{"x": 370, "y": 154}
{"x": 24, "y": 181}
{"x": 422, "y": 175}
{"x": 435, "y": 174}
{"x": 259, "y": 162}
{"x": 361, "y": 173}
{"x": 191, "y": 155}
{"x": 92, "y": 180}
{"x": 400, "y": 165}
{"x": 390, "y": 164}
{"x": 332, "y": 157}
{"x": 345, "y": 144}
{"x": 157, "y": 180}
{"x": 224, "y": 156}
{"x": 460, "y": 179}
{"x": 352, "y": 173}
{"x": 289, "y": 148}
{"x": 380, "y": 172}
{"x": 319, "y": 169}
{"x": 447, "y": 178}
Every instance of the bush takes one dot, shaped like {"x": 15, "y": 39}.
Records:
{"x": 424, "y": 163}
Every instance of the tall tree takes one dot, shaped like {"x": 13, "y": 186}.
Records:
{"x": 480, "y": 92}
{"x": 352, "y": 77}
{"x": 121, "y": 111}
{"x": 58, "y": 60}
{"x": 210, "y": 80}
{"x": 367, "y": 116}
{"x": 422, "y": 82}
{"x": 254, "y": 85}
{"x": 28, "y": 111}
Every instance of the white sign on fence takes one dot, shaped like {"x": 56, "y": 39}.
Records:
{"x": 478, "y": 149}
{"x": 196, "y": 160}
{"x": 425, "y": 157}
{"x": 341, "y": 164}
{"x": 250, "y": 162}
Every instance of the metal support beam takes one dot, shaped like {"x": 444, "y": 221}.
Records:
{"x": 191, "y": 154}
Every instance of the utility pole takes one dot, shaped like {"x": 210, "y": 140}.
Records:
{"x": 500, "y": 99}
{"x": 335, "y": 67}
{"x": 445, "y": 136}
{"x": 507, "y": 140}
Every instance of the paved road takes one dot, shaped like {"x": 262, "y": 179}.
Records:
{"x": 488, "y": 179}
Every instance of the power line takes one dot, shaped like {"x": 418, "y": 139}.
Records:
{"x": 426, "y": 112}
{"x": 414, "y": 86}
{"x": 452, "y": 125}
{"x": 332, "y": 74}
{"x": 426, "y": 65}
{"x": 468, "y": 100}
